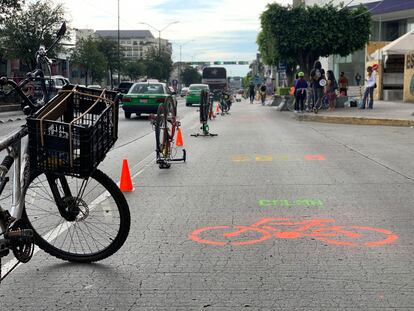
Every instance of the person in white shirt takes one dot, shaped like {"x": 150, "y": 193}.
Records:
{"x": 370, "y": 82}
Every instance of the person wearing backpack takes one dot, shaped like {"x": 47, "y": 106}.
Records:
{"x": 331, "y": 87}
{"x": 317, "y": 76}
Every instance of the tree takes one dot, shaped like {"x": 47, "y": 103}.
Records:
{"x": 135, "y": 70}
{"x": 158, "y": 64}
{"x": 109, "y": 48}
{"x": 30, "y": 28}
{"x": 190, "y": 75}
{"x": 8, "y": 8}
{"x": 90, "y": 60}
{"x": 300, "y": 35}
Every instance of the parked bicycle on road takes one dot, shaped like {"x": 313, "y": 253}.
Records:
{"x": 59, "y": 199}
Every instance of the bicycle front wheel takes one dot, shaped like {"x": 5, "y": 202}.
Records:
{"x": 77, "y": 219}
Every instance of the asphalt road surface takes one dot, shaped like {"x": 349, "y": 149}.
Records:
{"x": 272, "y": 214}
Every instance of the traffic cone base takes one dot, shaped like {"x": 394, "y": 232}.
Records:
{"x": 179, "y": 142}
{"x": 125, "y": 184}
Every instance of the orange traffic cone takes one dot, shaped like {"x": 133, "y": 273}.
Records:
{"x": 125, "y": 183}
{"x": 179, "y": 141}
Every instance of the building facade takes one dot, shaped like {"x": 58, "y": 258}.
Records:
{"x": 136, "y": 43}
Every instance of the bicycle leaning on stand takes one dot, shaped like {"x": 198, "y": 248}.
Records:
{"x": 166, "y": 126}
{"x": 59, "y": 200}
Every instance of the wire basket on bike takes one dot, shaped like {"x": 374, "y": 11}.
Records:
{"x": 73, "y": 132}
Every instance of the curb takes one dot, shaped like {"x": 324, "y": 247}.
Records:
{"x": 11, "y": 120}
{"x": 8, "y": 108}
{"x": 356, "y": 120}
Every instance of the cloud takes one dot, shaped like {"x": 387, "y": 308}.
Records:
{"x": 221, "y": 29}
{"x": 172, "y": 6}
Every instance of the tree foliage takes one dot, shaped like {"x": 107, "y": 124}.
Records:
{"x": 90, "y": 60}
{"x": 109, "y": 48}
{"x": 158, "y": 64}
{"x": 135, "y": 70}
{"x": 8, "y": 8}
{"x": 300, "y": 35}
{"x": 30, "y": 28}
{"x": 190, "y": 75}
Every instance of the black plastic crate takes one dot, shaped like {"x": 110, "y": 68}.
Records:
{"x": 73, "y": 132}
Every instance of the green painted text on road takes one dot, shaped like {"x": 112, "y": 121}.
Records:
{"x": 289, "y": 203}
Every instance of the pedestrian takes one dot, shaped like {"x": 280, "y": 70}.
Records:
{"x": 317, "y": 76}
{"x": 300, "y": 92}
{"x": 330, "y": 90}
{"x": 343, "y": 84}
{"x": 251, "y": 92}
{"x": 357, "y": 78}
{"x": 262, "y": 93}
{"x": 370, "y": 84}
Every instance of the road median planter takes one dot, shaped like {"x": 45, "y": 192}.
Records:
{"x": 354, "y": 120}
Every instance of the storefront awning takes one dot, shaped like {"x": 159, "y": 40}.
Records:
{"x": 400, "y": 46}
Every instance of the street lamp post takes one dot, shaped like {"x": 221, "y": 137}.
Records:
{"x": 179, "y": 65}
{"x": 159, "y": 33}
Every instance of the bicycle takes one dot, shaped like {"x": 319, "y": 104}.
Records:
{"x": 287, "y": 228}
{"x": 166, "y": 125}
{"x": 225, "y": 103}
{"x": 60, "y": 201}
{"x": 206, "y": 108}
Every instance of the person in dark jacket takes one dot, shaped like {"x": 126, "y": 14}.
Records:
{"x": 318, "y": 81}
{"x": 300, "y": 92}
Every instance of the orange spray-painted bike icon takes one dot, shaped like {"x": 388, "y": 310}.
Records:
{"x": 287, "y": 228}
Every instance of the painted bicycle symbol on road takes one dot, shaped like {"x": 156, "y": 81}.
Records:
{"x": 324, "y": 230}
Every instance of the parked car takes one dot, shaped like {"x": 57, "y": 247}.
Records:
{"x": 145, "y": 97}
{"x": 184, "y": 91}
{"x": 124, "y": 87}
{"x": 95, "y": 86}
{"x": 193, "y": 95}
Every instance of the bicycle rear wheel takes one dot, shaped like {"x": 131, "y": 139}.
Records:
{"x": 77, "y": 219}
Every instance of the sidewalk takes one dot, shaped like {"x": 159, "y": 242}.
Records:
{"x": 384, "y": 113}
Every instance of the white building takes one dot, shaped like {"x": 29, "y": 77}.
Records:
{"x": 136, "y": 43}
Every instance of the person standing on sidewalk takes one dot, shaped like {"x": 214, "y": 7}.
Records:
{"x": 370, "y": 84}
{"x": 300, "y": 92}
{"x": 317, "y": 74}
{"x": 331, "y": 87}
{"x": 343, "y": 84}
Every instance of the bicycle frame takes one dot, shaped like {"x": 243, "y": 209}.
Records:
{"x": 13, "y": 145}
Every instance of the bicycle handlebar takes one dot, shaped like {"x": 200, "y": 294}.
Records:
{"x": 31, "y": 105}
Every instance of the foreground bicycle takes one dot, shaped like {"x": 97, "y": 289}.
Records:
{"x": 59, "y": 199}
{"x": 166, "y": 126}
{"x": 287, "y": 228}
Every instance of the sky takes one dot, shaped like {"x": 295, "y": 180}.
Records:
{"x": 208, "y": 30}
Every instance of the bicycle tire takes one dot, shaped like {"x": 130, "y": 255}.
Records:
{"x": 86, "y": 214}
{"x": 195, "y": 235}
{"x": 161, "y": 132}
{"x": 388, "y": 236}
